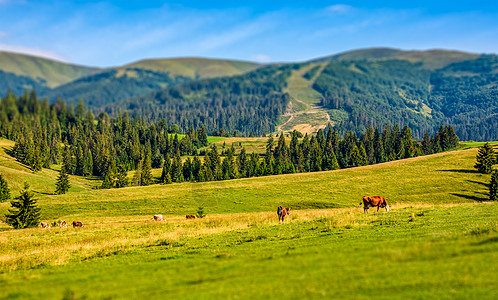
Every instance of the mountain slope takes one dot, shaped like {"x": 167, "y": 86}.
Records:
{"x": 348, "y": 94}
{"x": 140, "y": 78}
{"x": 430, "y": 59}
{"x": 49, "y": 73}
{"x": 196, "y": 68}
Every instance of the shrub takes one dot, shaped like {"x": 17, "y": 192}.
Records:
{"x": 200, "y": 212}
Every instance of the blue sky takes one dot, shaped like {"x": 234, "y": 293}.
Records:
{"x": 110, "y": 33}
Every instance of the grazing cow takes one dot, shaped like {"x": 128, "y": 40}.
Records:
{"x": 378, "y": 201}
{"x": 282, "y": 212}
{"x": 190, "y": 216}
{"x": 158, "y": 218}
{"x": 63, "y": 224}
{"x": 77, "y": 224}
{"x": 44, "y": 225}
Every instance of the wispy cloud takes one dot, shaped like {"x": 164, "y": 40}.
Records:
{"x": 261, "y": 57}
{"x": 340, "y": 8}
{"x": 233, "y": 35}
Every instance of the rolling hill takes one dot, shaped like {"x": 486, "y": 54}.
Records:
{"x": 436, "y": 228}
{"x": 46, "y": 72}
{"x": 143, "y": 77}
{"x": 430, "y": 59}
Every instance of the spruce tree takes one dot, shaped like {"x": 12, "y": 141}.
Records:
{"x": 493, "y": 186}
{"x": 4, "y": 190}
{"x": 147, "y": 169}
{"x": 62, "y": 185}
{"x": 36, "y": 160}
{"x": 121, "y": 179}
{"x": 166, "y": 169}
{"x": 196, "y": 168}
{"x": 485, "y": 159}
{"x": 24, "y": 212}
{"x": 137, "y": 177}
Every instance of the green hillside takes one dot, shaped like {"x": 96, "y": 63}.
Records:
{"x": 436, "y": 228}
{"x": 46, "y": 72}
{"x": 195, "y": 68}
{"x": 430, "y": 59}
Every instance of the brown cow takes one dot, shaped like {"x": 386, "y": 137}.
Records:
{"x": 63, "y": 224}
{"x": 190, "y": 216}
{"x": 378, "y": 201}
{"x": 282, "y": 212}
{"x": 44, "y": 225}
{"x": 158, "y": 218}
{"x": 77, "y": 224}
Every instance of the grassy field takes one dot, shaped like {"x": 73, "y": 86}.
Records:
{"x": 440, "y": 240}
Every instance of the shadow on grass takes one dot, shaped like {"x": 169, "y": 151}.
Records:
{"x": 478, "y": 182}
{"x": 460, "y": 171}
{"x": 471, "y": 197}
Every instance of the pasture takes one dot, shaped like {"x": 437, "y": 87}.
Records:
{"x": 438, "y": 241}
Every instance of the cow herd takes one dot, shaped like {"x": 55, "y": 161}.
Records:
{"x": 367, "y": 201}
{"x": 159, "y": 218}
{"x": 60, "y": 224}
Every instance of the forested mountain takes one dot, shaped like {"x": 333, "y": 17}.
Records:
{"x": 98, "y": 87}
{"x": 246, "y": 103}
{"x": 421, "y": 89}
{"x": 113, "y": 85}
{"x": 143, "y": 77}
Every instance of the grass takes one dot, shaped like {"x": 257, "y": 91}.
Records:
{"x": 415, "y": 251}
{"x": 436, "y": 242}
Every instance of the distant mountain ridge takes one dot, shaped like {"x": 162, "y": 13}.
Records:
{"x": 348, "y": 91}
{"x": 431, "y": 59}
{"x": 45, "y": 71}
{"x": 100, "y": 86}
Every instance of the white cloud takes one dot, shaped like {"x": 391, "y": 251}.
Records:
{"x": 231, "y": 36}
{"x": 340, "y": 8}
{"x": 34, "y": 51}
{"x": 260, "y": 57}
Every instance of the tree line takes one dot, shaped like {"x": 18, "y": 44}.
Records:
{"x": 106, "y": 147}
{"x": 319, "y": 152}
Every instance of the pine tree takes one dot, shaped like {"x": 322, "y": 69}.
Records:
{"x": 493, "y": 186}
{"x": 426, "y": 144}
{"x": 4, "y": 190}
{"x": 242, "y": 163}
{"x": 166, "y": 169}
{"x": 485, "y": 159}
{"x": 196, "y": 168}
{"x": 107, "y": 183}
{"x": 24, "y": 212}
{"x": 147, "y": 169}
{"x": 121, "y": 178}
{"x": 177, "y": 168}
{"x": 62, "y": 185}
{"x": 36, "y": 161}
{"x": 137, "y": 177}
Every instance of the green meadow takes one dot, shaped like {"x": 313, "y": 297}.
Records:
{"x": 439, "y": 241}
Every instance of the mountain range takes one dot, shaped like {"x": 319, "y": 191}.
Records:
{"x": 349, "y": 91}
